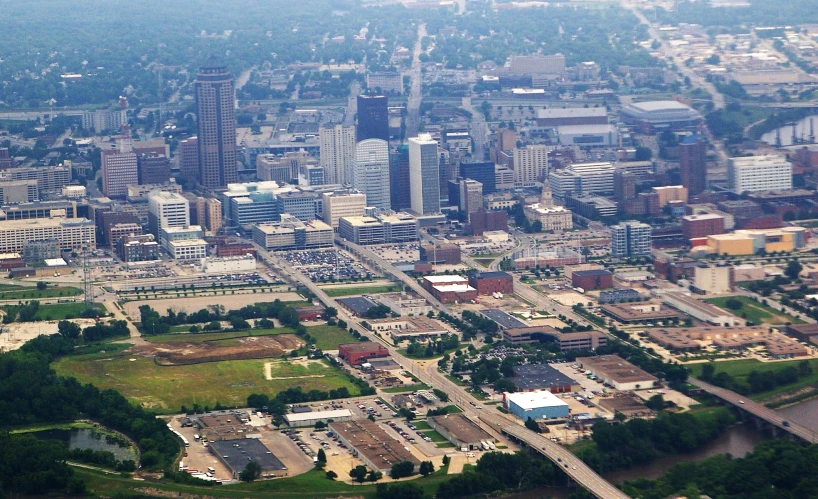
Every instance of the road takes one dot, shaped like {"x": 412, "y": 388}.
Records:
{"x": 427, "y": 372}
{"x": 413, "y": 103}
{"x": 479, "y": 129}
{"x": 756, "y": 410}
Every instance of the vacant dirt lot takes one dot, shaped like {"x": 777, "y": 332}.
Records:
{"x": 15, "y": 334}
{"x": 193, "y": 304}
{"x": 252, "y": 347}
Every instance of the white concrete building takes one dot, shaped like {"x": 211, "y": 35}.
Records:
{"x": 530, "y": 164}
{"x": 71, "y": 234}
{"x": 758, "y": 173}
{"x": 342, "y": 204}
{"x": 424, "y": 175}
{"x": 597, "y": 178}
{"x": 371, "y": 175}
{"x": 337, "y": 154}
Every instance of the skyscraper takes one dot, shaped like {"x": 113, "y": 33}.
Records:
{"x": 337, "y": 153}
{"x": 119, "y": 167}
{"x": 693, "y": 164}
{"x": 630, "y": 238}
{"x": 373, "y": 117}
{"x": 399, "y": 179}
{"x": 153, "y": 168}
{"x": 471, "y": 195}
{"x": 371, "y": 174}
{"x": 188, "y": 151}
{"x": 216, "y": 120}
{"x": 482, "y": 172}
{"x": 424, "y": 175}
{"x": 530, "y": 164}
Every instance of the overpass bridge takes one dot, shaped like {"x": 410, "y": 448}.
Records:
{"x": 759, "y": 411}
{"x": 570, "y": 464}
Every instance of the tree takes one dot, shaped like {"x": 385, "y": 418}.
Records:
{"x": 656, "y": 403}
{"x": 321, "y": 456}
{"x": 446, "y": 460}
{"x": 332, "y": 475}
{"x": 532, "y": 425}
{"x": 41, "y": 285}
{"x": 358, "y": 473}
{"x": 250, "y": 472}
{"x": 733, "y": 304}
{"x": 793, "y": 269}
{"x": 427, "y": 468}
{"x": 68, "y": 329}
{"x": 402, "y": 469}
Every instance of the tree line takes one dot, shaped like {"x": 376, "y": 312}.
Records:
{"x": 757, "y": 381}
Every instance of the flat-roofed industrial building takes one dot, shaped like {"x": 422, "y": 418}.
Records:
{"x": 587, "y": 340}
{"x": 372, "y": 444}
{"x": 235, "y": 454}
{"x": 534, "y": 377}
{"x": 311, "y": 417}
{"x": 618, "y": 372}
{"x": 464, "y": 433}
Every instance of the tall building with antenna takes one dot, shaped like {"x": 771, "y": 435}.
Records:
{"x": 216, "y": 120}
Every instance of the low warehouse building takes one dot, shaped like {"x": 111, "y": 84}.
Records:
{"x": 534, "y": 377}
{"x": 372, "y": 444}
{"x": 535, "y": 405}
{"x": 357, "y": 353}
{"x": 310, "y": 418}
{"x": 488, "y": 283}
{"x": 235, "y": 454}
{"x": 618, "y": 372}
{"x": 464, "y": 433}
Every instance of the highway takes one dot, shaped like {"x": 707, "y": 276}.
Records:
{"x": 427, "y": 372}
{"x": 756, "y": 409}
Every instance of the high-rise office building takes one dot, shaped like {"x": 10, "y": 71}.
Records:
{"x": 530, "y": 164}
{"x": 213, "y": 215}
{"x": 216, "y": 120}
{"x": 482, "y": 172}
{"x": 188, "y": 151}
{"x": 337, "y": 153}
{"x": 424, "y": 175}
{"x": 153, "y": 168}
{"x": 693, "y": 163}
{"x": 167, "y": 209}
{"x": 399, "y": 179}
{"x": 471, "y": 195}
{"x": 342, "y": 204}
{"x": 371, "y": 175}
{"x": 373, "y": 117}
{"x": 630, "y": 238}
{"x": 119, "y": 168}
{"x": 758, "y": 173}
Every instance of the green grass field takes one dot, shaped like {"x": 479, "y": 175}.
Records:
{"x": 435, "y": 436}
{"x": 485, "y": 262}
{"x": 361, "y": 290}
{"x": 12, "y": 292}
{"x": 166, "y": 388}
{"x": 60, "y": 311}
{"x": 406, "y": 388}
{"x": 326, "y": 337}
{"x": 754, "y": 311}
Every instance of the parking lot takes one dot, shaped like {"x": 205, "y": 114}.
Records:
{"x": 407, "y": 252}
{"x": 328, "y": 265}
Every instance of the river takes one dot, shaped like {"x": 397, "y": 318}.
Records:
{"x": 802, "y": 132}
{"x": 737, "y": 440}
{"x": 805, "y": 413}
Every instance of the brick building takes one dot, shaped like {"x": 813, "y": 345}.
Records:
{"x": 482, "y": 221}
{"x": 488, "y": 283}
{"x": 592, "y": 279}
{"x": 358, "y": 353}
{"x": 704, "y": 225}
{"x": 309, "y": 313}
{"x": 448, "y": 254}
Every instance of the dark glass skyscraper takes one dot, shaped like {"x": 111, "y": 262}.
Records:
{"x": 482, "y": 172}
{"x": 216, "y": 120}
{"x": 399, "y": 178}
{"x": 373, "y": 117}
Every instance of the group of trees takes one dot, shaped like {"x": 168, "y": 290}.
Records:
{"x": 640, "y": 441}
{"x": 154, "y": 323}
{"x": 500, "y": 472}
{"x": 277, "y": 405}
{"x": 776, "y": 469}
{"x": 756, "y": 381}
{"x": 432, "y": 347}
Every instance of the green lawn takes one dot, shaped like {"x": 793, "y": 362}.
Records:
{"x": 166, "y": 388}
{"x": 326, "y": 337}
{"x": 453, "y": 409}
{"x": 60, "y": 311}
{"x": 754, "y": 311}
{"x": 361, "y": 290}
{"x": 435, "y": 436}
{"x": 485, "y": 262}
{"x": 406, "y": 388}
{"x": 12, "y": 292}
{"x": 422, "y": 425}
